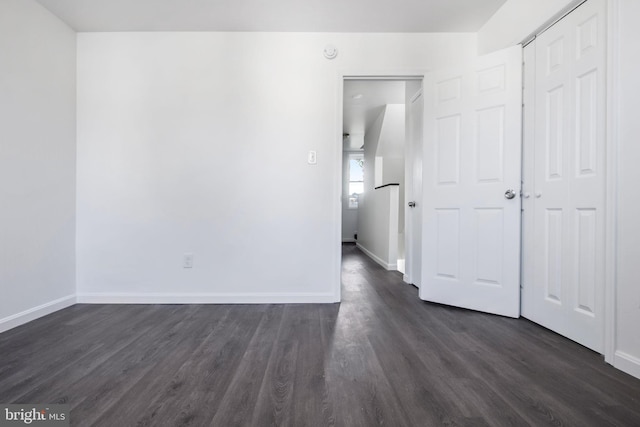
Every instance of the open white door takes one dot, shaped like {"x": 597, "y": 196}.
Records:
{"x": 471, "y": 185}
{"x": 413, "y": 210}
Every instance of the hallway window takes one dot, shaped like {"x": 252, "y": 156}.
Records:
{"x": 356, "y": 179}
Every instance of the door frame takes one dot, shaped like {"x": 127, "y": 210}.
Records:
{"x": 337, "y": 161}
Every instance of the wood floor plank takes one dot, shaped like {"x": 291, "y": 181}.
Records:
{"x": 275, "y": 399}
{"x": 310, "y": 388}
{"x": 360, "y": 388}
{"x": 194, "y": 393}
{"x": 424, "y": 397}
{"x": 191, "y": 334}
{"x": 109, "y": 380}
{"x": 381, "y": 357}
{"x": 241, "y": 397}
{"x": 69, "y": 348}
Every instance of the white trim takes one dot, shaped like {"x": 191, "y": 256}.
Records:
{"x": 611, "y": 213}
{"x": 417, "y": 95}
{"x": 401, "y": 265}
{"x": 338, "y": 182}
{"x": 205, "y": 298}
{"x": 348, "y": 240}
{"x": 377, "y": 259}
{"x": 553, "y": 21}
{"x": 34, "y": 313}
{"x": 627, "y": 363}
{"x": 390, "y": 75}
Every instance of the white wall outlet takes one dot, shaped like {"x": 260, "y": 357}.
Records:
{"x": 312, "y": 158}
{"x": 187, "y": 260}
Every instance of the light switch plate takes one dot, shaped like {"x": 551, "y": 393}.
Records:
{"x": 187, "y": 260}
{"x": 312, "y": 158}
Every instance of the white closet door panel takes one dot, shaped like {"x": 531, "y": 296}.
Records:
{"x": 565, "y": 156}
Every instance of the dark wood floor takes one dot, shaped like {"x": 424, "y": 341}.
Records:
{"x": 382, "y": 357}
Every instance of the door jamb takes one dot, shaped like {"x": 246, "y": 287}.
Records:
{"x": 611, "y": 208}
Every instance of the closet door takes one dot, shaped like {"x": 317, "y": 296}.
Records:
{"x": 564, "y": 188}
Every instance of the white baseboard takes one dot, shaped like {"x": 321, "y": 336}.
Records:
{"x": 205, "y": 298}
{"x": 377, "y": 259}
{"x": 34, "y": 313}
{"x": 627, "y": 363}
{"x": 348, "y": 240}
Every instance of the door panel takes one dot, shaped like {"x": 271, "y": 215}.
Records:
{"x": 471, "y": 237}
{"x": 448, "y": 244}
{"x": 448, "y": 150}
{"x": 565, "y": 157}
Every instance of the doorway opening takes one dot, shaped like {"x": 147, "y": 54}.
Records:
{"x": 378, "y": 164}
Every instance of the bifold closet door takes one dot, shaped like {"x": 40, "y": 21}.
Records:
{"x": 565, "y": 177}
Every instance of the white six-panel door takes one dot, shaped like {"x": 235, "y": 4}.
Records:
{"x": 472, "y": 158}
{"x": 564, "y": 181}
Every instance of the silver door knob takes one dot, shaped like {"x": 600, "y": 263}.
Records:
{"x": 412, "y": 204}
{"x": 510, "y": 194}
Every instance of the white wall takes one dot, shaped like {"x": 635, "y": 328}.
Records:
{"x": 391, "y": 144}
{"x": 518, "y": 19}
{"x": 37, "y": 162}
{"x": 197, "y": 142}
{"x": 378, "y": 226}
{"x": 373, "y": 210}
{"x": 628, "y": 234}
{"x": 380, "y": 210}
{"x": 391, "y": 149}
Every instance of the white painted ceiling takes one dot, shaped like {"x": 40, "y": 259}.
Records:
{"x": 363, "y": 102}
{"x": 353, "y": 16}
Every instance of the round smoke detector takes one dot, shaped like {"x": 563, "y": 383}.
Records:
{"x": 330, "y": 51}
